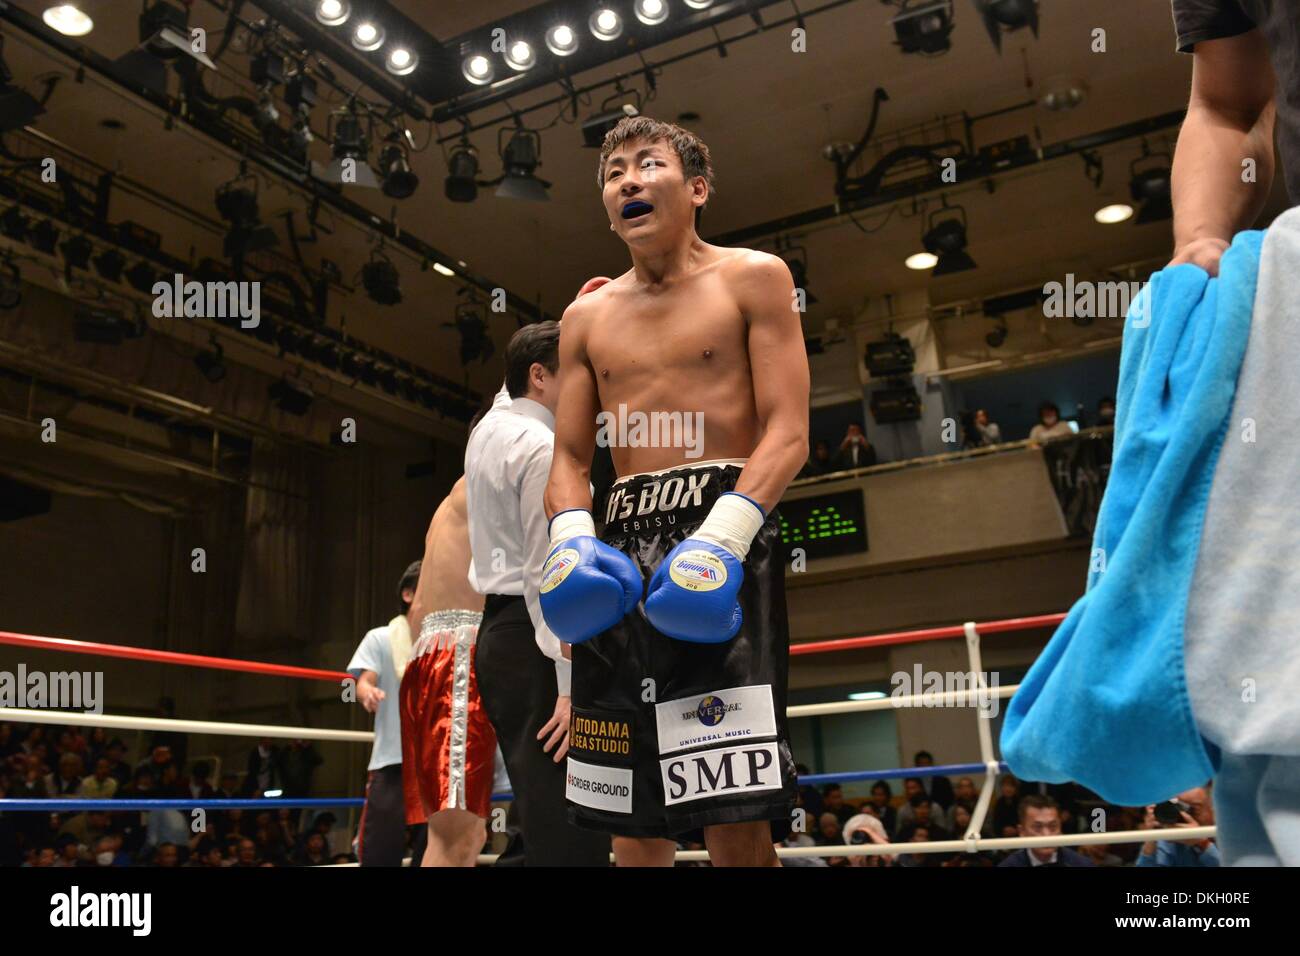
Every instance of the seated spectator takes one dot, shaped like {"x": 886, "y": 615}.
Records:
{"x": 118, "y": 768}
{"x": 828, "y": 830}
{"x": 819, "y": 463}
{"x": 109, "y": 851}
{"x": 923, "y": 816}
{"x": 96, "y": 745}
{"x": 866, "y": 828}
{"x": 833, "y": 802}
{"x": 1197, "y": 810}
{"x": 313, "y": 852}
{"x": 989, "y": 433}
{"x": 101, "y": 785}
{"x": 1100, "y": 854}
{"x": 206, "y": 854}
{"x": 159, "y": 758}
{"x": 1106, "y": 411}
{"x": 167, "y": 855}
{"x": 229, "y": 788}
{"x": 67, "y": 781}
{"x": 919, "y": 835}
{"x": 855, "y": 451}
{"x": 86, "y": 828}
{"x": 299, "y": 763}
{"x": 67, "y": 851}
{"x": 246, "y": 853}
{"x": 939, "y": 788}
{"x": 914, "y": 790}
{"x": 1049, "y": 424}
{"x": 1005, "y": 812}
{"x": 199, "y": 785}
{"x": 265, "y": 769}
{"x": 1039, "y": 817}
{"x": 881, "y": 795}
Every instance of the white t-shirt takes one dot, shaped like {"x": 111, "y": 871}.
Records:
{"x": 374, "y": 653}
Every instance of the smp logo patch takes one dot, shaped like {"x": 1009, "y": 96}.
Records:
{"x": 557, "y": 568}
{"x": 698, "y": 571}
{"x": 711, "y": 711}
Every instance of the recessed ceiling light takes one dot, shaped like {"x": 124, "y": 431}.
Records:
{"x": 922, "y": 260}
{"x": 1117, "y": 212}
{"x": 68, "y": 19}
{"x": 368, "y": 36}
{"x": 333, "y": 13}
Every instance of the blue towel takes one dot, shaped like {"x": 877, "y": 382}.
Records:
{"x": 1106, "y": 703}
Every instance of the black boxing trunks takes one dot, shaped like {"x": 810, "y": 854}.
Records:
{"x": 668, "y": 736}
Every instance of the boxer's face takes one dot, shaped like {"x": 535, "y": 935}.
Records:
{"x": 646, "y": 195}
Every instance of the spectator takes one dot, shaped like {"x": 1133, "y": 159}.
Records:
{"x": 965, "y": 796}
{"x": 174, "y": 742}
{"x": 1196, "y": 810}
{"x": 924, "y": 816}
{"x": 199, "y": 784}
{"x": 246, "y": 853}
{"x": 67, "y": 852}
{"x": 86, "y": 828}
{"x": 809, "y": 796}
{"x": 1106, "y": 411}
{"x": 881, "y": 806}
{"x": 101, "y": 785}
{"x": 1100, "y": 854}
{"x": 833, "y": 802}
{"x": 67, "y": 781}
{"x": 229, "y": 788}
{"x": 109, "y": 851}
{"x": 313, "y": 852}
{"x": 1049, "y": 424}
{"x": 828, "y": 830}
{"x": 914, "y": 790}
{"x": 167, "y": 855}
{"x": 820, "y": 462}
{"x": 989, "y": 433}
{"x": 265, "y": 769}
{"x": 855, "y": 451}
{"x": 1006, "y": 815}
{"x": 206, "y": 854}
{"x": 939, "y": 788}
{"x": 159, "y": 757}
{"x": 1040, "y": 816}
{"x": 300, "y": 762}
{"x": 866, "y": 828}
{"x": 118, "y": 768}
{"x": 919, "y": 835}
{"x": 96, "y": 745}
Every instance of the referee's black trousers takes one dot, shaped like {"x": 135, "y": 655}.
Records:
{"x": 517, "y": 684}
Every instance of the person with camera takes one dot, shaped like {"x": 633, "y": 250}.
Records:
{"x": 1192, "y": 808}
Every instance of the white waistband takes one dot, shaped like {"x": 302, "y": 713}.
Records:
{"x": 712, "y": 463}
{"x": 449, "y": 620}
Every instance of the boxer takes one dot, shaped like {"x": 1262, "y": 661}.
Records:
{"x": 448, "y": 745}
{"x": 678, "y": 708}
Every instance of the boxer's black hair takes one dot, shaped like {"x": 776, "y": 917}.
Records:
{"x": 690, "y": 149}
{"x": 538, "y": 342}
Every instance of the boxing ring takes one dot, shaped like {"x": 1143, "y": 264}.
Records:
{"x": 971, "y": 842}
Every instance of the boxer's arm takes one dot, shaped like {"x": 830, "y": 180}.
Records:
{"x": 778, "y": 363}
{"x": 1230, "y": 118}
{"x": 575, "y": 419}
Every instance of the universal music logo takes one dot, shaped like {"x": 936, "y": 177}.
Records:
{"x": 208, "y": 300}
{"x": 638, "y": 429}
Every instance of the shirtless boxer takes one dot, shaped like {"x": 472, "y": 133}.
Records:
{"x": 678, "y": 710}
{"x": 448, "y": 744}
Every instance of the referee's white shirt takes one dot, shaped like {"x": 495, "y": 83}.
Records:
{"x": 507, "y": 462}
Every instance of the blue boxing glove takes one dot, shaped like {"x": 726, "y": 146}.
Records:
{"x": 587, "y": 586}
{"x": 694, "y": 595}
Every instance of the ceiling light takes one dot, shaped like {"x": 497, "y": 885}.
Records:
{"x": 651, "y": 12}
{"x": 699, "y": 4}
{"x": 922, "y": 260}
{"x": 924, "y": 28}
{"x": 68, "y": 19}
{"x": 477, "y": 69}
{"x": 605, "y": 24}
{"x": 399, "y": 181}
{"x": 947, "y": 240}
{"x": 462, "y": 174}
{"x": 333, "y": 13}
{"x": 401, "y": 61}
{"x": 439, "y": 268}
{"x": 521, "y": 56}
{"x": 109, "y": 264}
{"x": 1116, "y": 212}
{"x": 368, "y": 36}
{"x": 521, "y": 157}
{"x": 562, "y": 40}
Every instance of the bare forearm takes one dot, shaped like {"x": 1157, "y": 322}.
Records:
{"x": 568, "y": 486}
{"x": 773, "y": 465}
{"x": 1210, "y": 199}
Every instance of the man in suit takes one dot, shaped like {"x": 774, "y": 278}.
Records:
{"x": 1040, "y": 816}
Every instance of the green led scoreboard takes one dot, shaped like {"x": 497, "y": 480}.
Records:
{"x": 825, "y": 526}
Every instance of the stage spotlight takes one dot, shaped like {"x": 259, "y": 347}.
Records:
{"x": 562, "y": 40}
{"x": 333, "y": 13}
{"x": 651, "y": 12}
{"x": 475, "y": 343}
{"x": 462, "y": 173}
{"x": 14, "y": 224}
{"x": 43, "y": 237}
{"x": 292, "y": 397}
{"x": 165, "y": 32}
{"x": 1007, "y": 16}
{"x": 350, "y": 145}
{"x": 924, "y": 27}
{"x": 947, "y": 240}
{"x": 368, "y": 36}
{"x": 265, "y": 115}
{"x": 799, "y": 273}
{"x": 141, "y": 277}
{"x": 401, "y": 61}
{"x": 521, "y": 56}
{"x": 109, "y": 264}
{"x": 521, "y": 157}
{"x": 399, "y": 181}
{"x": 477, "y": 69}
{"x": 597, "y": 125}
{"x": 300, "y": 94}
{"x": 76, "y": 252}
{"x": 211, "y": 362}
{"x": 995, "y": 338}
{"x": 382, "y": 280}
{"x": 605, "y": 24}
{"x": 68, "y": 19}
{"x": 102, "y": 326}
{"x": 1150, "y": 188}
